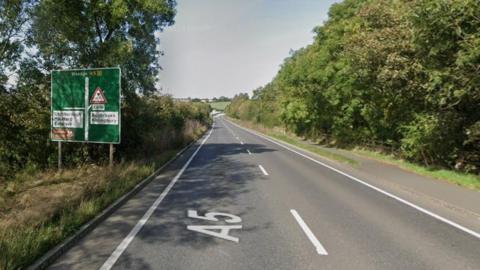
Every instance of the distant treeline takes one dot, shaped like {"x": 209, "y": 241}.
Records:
{"x": 39, "y": 36}
{"x": 400, "y": 75}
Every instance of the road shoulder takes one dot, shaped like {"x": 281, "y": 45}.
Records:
{"x": 457, "y": 203}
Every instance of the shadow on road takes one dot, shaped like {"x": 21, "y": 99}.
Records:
{"x": 215, "y": 180}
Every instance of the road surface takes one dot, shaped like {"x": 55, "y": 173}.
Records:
{"x": 236, "y": 200}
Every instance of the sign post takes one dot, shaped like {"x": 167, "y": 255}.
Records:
{"x": 110, "y": 157}
{"x": 59, "y": 155}
{"x": 85, "y": 107}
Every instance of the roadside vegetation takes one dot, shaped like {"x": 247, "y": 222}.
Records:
{"x": 469, "y": 180}
{"x": 40, "y": 206}
{"x": 39, "y": 209}
{"x": 459, "y": 178}
{"x": 396, "y": 77}
{"x": 219, "y": 106}
{"x": 288, "y": 137}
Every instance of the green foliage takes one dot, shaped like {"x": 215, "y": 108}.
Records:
{"x": 38, "y": 36}
{"x": 396, "y": 74}
{"x": 430, "y": 139}
{"x": 219, "y": 105}
{"x": 101, "y": 34}
{"x": 13, "y": 18}
{"x": 74, "y": 34}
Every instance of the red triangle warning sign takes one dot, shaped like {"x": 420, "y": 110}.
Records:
{"x": 98, "y": 97}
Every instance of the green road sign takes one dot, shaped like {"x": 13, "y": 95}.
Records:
{"x": 86, "y": 105}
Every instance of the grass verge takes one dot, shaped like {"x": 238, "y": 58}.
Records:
{"x": 470, "y": 181}
{"x": 39, "y": 211}
{"x": 219, "y": 106}
{"x": 296, "y": 141}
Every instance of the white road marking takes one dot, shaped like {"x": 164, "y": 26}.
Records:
{"x": 124, "y": 244}
{"x": 214, "y": 216}
{"x": 212, "y": 229}
{"x": 318, "y": 246}
{"x": 248, "y": 151}
{"x": 386, "y": 193}
{"x": 263, "y": 170}
{"x": 241, "y": 142}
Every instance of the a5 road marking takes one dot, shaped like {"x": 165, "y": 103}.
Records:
{"x": 224, "y": 230}
{"x": 127, "y": 240}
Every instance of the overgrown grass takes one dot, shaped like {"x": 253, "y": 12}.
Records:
{"x": 40, "y": 210}
{"x": 312, "y": 148}
{"x": 219, "y": 106}
{"x": 32, "y": 225}
{"x": 296, "y": 141}
{"x": 458, "y": 178}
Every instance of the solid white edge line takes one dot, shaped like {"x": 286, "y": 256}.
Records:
{"x": 127, "y": 240}
{"x": 419, "y": 208}
{"x": 263, "y": 170}
{"x": 318, "y": 246}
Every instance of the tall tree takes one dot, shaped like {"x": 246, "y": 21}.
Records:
{"x": 96, "y": 33}
{"x": 13, "y": 18}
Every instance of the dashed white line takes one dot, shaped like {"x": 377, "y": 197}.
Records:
{"x": 318, "y": 246}
{"x": 386, "y": 193}
{"x": 248, "y": 151}
{"x": 263, "y": 170}
{"x": 124, "y": 244}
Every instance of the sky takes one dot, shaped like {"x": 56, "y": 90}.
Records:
{"x": 224, "y": 47}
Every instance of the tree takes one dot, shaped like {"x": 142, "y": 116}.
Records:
{"x": 384, "y": 73}
{"x": 99, "y": 33}
{"x": 13, "y": 20}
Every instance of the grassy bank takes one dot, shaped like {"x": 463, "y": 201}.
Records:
{"x": 458, "y": 178}
{"x": 296, "y": 141}
{"x": 40, "y": 210}
{"x": 461, "y": 179}
{"x": 219, "y": 106}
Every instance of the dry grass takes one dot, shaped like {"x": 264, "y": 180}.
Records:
{"x": 39, "y": 210}
{"x": 43, "y": 209}
{"x": 33, "y": 199}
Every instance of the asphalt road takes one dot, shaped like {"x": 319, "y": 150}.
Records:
{"x": 236, "y": 200}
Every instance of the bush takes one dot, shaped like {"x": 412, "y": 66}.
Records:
{"x": 431, "y": 140}
{"x": 399, "y": 75}
{"x": 150, "y": 124}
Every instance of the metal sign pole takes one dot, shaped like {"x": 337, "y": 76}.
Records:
{"x": 87, "y": 87}
{"x": 59, "y": 155}
{"x": 111, "y": 155}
